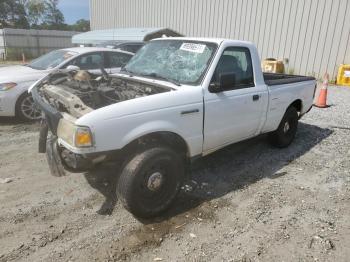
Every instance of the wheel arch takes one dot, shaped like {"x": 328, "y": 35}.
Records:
{"x": 166, "y": 138}
{"x": 297, "y": 104}
{"x": 19, "y": 96}
{"x": 17, "y": 110}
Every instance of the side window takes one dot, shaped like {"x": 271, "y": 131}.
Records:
{"x": 89, "y": 61}
{"x": 118, "y": 59}
{"x": 133, "y": 48}
{"x": 236, "y": 60}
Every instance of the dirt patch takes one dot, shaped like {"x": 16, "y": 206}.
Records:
{"x": 247, "y": 202}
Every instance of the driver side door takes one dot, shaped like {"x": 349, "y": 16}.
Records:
{"x": 235, "y": 113}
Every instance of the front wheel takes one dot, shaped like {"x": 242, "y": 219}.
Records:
{"x": 150, "y": 181}
{"x": 26, "y": 108}
{"x": 285, "y": 133}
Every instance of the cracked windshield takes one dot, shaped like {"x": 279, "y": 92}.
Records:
{"x": 182, "y": 62}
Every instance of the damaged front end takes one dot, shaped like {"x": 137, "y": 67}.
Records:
{"x": 64, "y": 97}
{"x": 78, "y": 92}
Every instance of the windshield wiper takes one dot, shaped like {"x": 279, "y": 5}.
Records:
{"x": 34, "y": 67}
{"x": 123, "y": 69}
{"x": 157, "y": 76}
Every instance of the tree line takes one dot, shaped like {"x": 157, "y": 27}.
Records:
{"x": 36, "y": 14}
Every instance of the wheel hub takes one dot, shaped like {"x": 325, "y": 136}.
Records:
{"x": 155, "y": 181}
{"x": 29, "y": 109}
{"x": 286, "y": 127}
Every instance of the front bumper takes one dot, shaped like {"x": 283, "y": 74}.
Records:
{"x": 8, "y": 101}
{"x": 62, "y": 157}
{"x": 59, "y": 158}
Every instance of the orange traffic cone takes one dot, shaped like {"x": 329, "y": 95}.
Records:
{"x": 322, "y": 98}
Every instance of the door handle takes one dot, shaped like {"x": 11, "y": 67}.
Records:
{"x": 191, "y": 111}
{"x": 256, "y": 97}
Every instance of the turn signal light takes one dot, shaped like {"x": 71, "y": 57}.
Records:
{"x": 83, "y": 137}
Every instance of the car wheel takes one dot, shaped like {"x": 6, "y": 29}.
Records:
{"x": 285, "y": 133}
{"x": 26, "y": 108}
{"x": 150, "y": 181}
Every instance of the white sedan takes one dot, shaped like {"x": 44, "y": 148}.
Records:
{"x": 15, "y": 80}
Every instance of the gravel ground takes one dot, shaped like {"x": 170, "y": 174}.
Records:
{"x": 248, "y": 202}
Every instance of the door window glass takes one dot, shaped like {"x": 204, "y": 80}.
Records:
{"x": 133, "y": 48}
{"x": 89, "y": 61}
{"x": 236, "y": 60}
{"x": 118, "y": 59}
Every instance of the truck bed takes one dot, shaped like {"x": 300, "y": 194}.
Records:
{"x": 272, "y": 79}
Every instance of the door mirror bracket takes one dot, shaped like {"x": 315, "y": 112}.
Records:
{"x": 73, "y": 68}
{"x": 214, "y": 87}
{"x": 227, "y": 81}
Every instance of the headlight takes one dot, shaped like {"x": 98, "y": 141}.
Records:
{"x": 77, "y": 136}
{"x": 7, "y": 86}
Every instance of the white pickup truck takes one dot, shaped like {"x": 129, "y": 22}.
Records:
{"x": 176, "y": 100}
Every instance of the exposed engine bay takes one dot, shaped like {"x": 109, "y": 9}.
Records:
{"x": 80, "y": 92}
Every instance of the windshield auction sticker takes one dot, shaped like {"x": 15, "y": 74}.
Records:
{"x": 192, "y": 47}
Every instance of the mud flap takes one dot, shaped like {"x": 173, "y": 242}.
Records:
{"x": 53, "y": 157}
{"x": 44, "y": 130}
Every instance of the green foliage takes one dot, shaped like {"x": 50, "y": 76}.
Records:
{"x": 81, "y": 25}
{"x": 13, "y": 14}
{"x": 35, "y": 11}
{"x": 36, "y": 14}
{"x": 53, "y": 17}
{"x": 15, "y": 54}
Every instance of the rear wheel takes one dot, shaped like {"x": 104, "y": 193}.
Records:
{"x": 285, "y": 133}
{"x": 26, "y": 108}
{"x": 150, "y": 181}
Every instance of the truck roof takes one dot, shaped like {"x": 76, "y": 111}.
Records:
{"x": 205, "y": 39}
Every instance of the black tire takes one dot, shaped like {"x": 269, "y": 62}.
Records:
{"x": 285, "y": 133}
{"x": 26, "y": 109}
{"x": 150, "y": 181}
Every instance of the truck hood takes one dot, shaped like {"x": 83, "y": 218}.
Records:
{"x": 20, "y": 74}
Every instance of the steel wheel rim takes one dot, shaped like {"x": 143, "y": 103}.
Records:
{"x": 286, "y": 127}
{"x": 29, "y": 109}
{"x": 155, "y": 181}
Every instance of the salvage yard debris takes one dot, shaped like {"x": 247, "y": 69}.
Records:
{"x": 6, "y": 180}
{"x": 259, "y": 216}
{"x": 326, "y": 243}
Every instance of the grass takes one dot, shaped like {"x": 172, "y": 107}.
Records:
{"x": 9, "y": 62}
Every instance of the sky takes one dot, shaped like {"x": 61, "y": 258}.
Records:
{"x": 74, "y": 10}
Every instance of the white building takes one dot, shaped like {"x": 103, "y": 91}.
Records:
{"x": 313, "y": 35}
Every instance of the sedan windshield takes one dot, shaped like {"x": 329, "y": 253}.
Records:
{"x": 51, "y": 60}
{"x": 179, "y": 61}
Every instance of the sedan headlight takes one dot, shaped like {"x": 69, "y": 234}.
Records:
{"x": 7, "y": 86}
{"x": 77, "y": 136}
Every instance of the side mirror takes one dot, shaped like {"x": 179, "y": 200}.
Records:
{"x": 226, "y": 81}
{"x": 73, "y": 68}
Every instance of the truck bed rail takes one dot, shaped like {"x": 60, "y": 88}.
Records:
{"x": 272, "y": 79}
